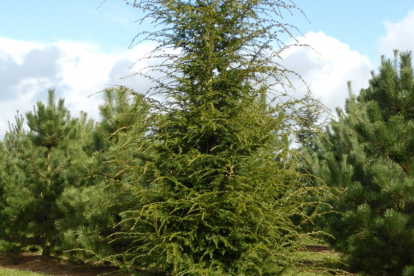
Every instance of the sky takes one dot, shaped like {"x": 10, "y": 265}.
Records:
{"x": 80, "y": 47}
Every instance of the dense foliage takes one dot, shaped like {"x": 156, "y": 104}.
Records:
{"x": 203, "y": 183}
{"x": 366, "y": 157}
{"x": 218, "y": 197}
{"x": 206, "y": 182}
{"x": 118, "y": 146}
{"x": 38, "y": 165}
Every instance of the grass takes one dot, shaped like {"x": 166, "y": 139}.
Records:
{"x": 319, "y": 260}
{"x": 14, "y": 272}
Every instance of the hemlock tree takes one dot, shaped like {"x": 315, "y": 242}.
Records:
{"x": 41, "y": 164}
{"x": 367, "y": 158}
{"x": 225, "y": 185}
{"x": 310, "y": 120}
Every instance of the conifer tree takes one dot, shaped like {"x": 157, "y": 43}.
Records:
{"x": 366, "y": 157}
{"x": 225, "y": 185}
{"x": 40, "y": 165}
{"x": 310, "y": 120}
{"x": 118, "y": 148}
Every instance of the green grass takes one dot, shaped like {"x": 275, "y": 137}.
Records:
{"x": 329, "y": 257}
{"x": 318, "y": 263}
{"x": 13, "y": 272}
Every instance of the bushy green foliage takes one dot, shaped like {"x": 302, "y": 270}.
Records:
{"x": 39, "y": 164}
{"x": 118, "y": 146}
{"x": 225, "y": 212}
{"x": 203, "y": 183}
{"x": 366, "y": 157}
{"x": 219, "y": 195}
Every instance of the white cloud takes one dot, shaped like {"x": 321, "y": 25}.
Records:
{"x": 17, "y": 49}
{"x": 399, "y": 35}
{"x": 326, "y": 68}
{"x": 76, "y": 70}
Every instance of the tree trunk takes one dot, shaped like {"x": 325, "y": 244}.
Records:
{"x": 46, "y": 249}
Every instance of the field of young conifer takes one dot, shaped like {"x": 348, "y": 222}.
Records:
{"x": 201, "y": 176}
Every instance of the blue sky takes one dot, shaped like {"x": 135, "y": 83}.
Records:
{"x": 358, "y": 23}
{"x": 110, "y": 26}
{"x": 78, "y": 49}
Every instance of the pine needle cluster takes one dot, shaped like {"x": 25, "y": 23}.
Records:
{"x": 366, "y": 157}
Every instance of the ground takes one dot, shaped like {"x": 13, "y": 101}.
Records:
{"x": 320, "y": 258}
{"x": 53, "y": 266}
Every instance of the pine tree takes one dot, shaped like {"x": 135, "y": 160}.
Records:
{"x": 41, "y": 163}
{"x": 225, "y": 184}
{"x": 10, "y": 152}
{"x": 118, "y": 145}
{"x": 366, "y": 157}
